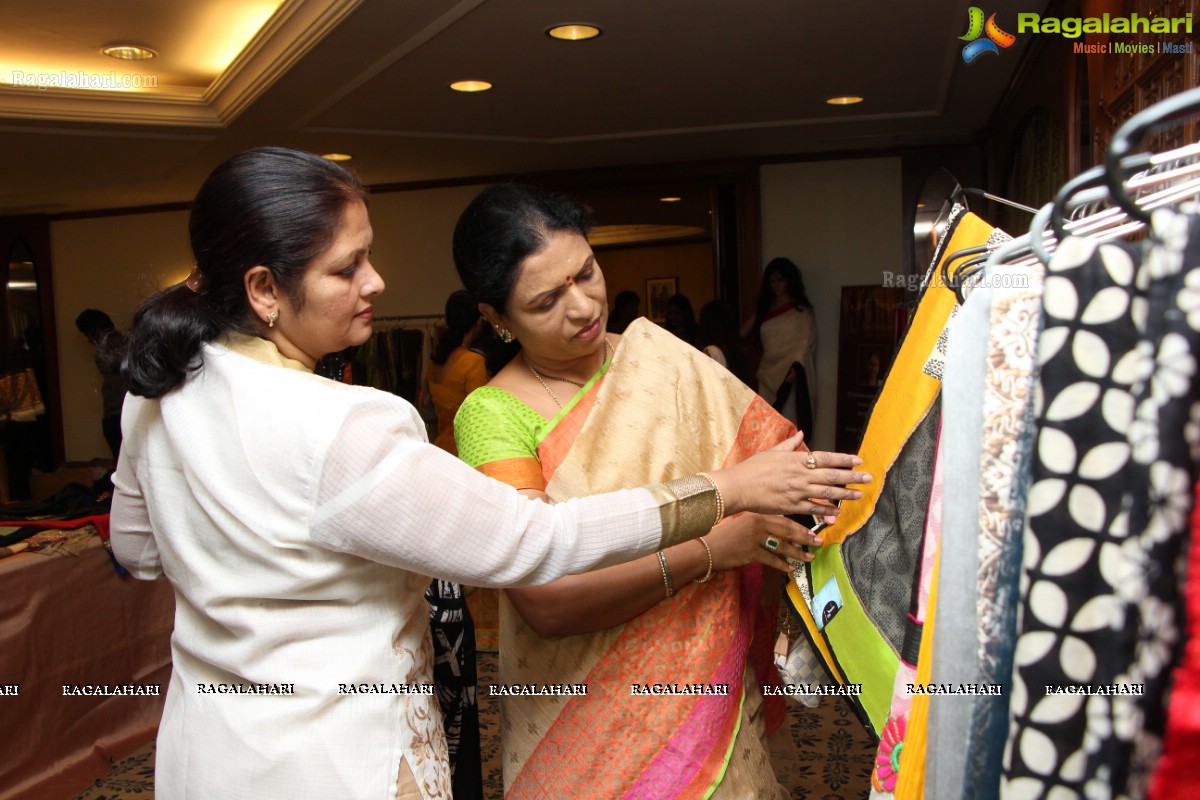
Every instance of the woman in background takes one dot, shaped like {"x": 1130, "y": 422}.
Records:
{"x": 627, "y": 307}
{"x": 577, "y": 410}
{"x": 718, "y": 338}
{"x": 458, "y": 366}
{"x": 681, "y": 319}
{"x": 787, "y": 329}
{"x": 299, "y": 519}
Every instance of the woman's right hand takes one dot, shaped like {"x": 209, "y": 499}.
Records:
{"x": 785, "y": 480}
{"x": 772, "y": 540}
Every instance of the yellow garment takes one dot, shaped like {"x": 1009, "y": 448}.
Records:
{"x": 449, "y": 385}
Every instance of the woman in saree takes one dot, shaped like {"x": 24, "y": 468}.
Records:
{"x": 787, "y": 330}
{"x": 655, "y": 641}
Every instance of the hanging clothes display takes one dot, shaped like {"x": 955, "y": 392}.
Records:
{"x": 1010, "y": 592}
{"x": 1108, "y": 505}
{"x": 855, "y": 596}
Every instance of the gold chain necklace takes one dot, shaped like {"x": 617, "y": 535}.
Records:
{"x": 549, "y": 391}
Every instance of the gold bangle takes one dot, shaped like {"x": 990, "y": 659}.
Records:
{"x": 708, "y": 574}
{"x": 686, "y": 506}
{"x": 720, "y": 512}
{"x": 666, "y": 573}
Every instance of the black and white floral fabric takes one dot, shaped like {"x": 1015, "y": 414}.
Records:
{"x": 1108, "y": 505}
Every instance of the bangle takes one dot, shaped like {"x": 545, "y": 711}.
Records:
{"x": 720, "y": 513}
{"x": 666, "y": 572}
{"x": 687, "y": 508}
{"x": 708, "y": 574}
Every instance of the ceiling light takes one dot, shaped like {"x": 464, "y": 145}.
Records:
{"x": 470, "y": 86}
{"x": 573, "y": 32}
{"x": 129, "y": 52}
{"x": 337, "y": 156}
{"x": 844, "y": 100}
{"x": 669, "y": 199}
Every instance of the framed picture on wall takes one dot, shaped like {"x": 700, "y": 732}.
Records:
{"x": 658, "y": 290}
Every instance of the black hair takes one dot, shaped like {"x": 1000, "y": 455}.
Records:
{"x": 93, "y": 320}
{"x": 719, "y": 327}
{"x": 504, "y": 225}
{"x": 499, "y": 229}
{"x": 687, "y": 318}
{"x": 795, "y": 286}
{"x": 269, "y": 206}
{"x": 462, "y": 312}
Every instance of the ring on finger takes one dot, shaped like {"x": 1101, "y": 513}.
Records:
{"x": 771, "y": 543}
{"x": 811, "y": 462}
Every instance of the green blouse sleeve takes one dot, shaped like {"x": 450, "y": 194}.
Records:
{"x": 492, "y": 425}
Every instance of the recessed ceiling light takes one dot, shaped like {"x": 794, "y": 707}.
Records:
{"x": 470, "y": 86}
{"x": 573, "y": 32}
{"x": 129, "y": 52}
{"x": 337, "y": 156}
{"x": 844, "y": 100}
{"x": 669, "y": 199}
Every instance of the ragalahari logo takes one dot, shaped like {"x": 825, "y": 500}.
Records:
{"x": 996, "y": 40}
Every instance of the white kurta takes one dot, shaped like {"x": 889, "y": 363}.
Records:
{"x": 297, "y": 519}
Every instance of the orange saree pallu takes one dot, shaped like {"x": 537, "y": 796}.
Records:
{"x": 662, "y": 410}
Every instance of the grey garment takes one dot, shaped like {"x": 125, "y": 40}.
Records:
{"x": 881, "y": 557}
{"x": 955, "y": 658}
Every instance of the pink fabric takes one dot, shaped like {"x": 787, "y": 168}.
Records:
{"x": 685, "y": 752}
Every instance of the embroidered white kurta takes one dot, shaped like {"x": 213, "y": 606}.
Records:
{"x": 297, "y": 520}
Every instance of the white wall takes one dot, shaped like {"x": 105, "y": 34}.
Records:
{"x": 109, "y": 263}
{"x": 113, "y": 263}
{"x": 840, "y": 221}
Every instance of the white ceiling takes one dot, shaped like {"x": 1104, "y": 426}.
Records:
{"x": 668, "y": 81}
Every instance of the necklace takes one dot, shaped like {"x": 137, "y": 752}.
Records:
{"x": 546, "y": 386}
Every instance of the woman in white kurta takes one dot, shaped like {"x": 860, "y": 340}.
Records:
{"x": 298, "y": 519}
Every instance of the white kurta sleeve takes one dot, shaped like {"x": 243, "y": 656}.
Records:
{"x": 387, "y": 495}
{"x": 131, "y": 537}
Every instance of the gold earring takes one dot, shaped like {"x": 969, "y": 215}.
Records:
{"x": 271, "y": 317}
{"x": 504, "y": 334}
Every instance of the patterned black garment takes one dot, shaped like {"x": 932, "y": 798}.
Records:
{"x": 454, "y": 675}
{"x": 1115, "y": 458}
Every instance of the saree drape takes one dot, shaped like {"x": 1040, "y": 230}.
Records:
{"x": 662, "y": 410}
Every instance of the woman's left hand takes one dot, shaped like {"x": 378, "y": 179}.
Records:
{"x": 771, "y": 540}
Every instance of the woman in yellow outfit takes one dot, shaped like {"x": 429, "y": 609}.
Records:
{"x": 458, "y": 366}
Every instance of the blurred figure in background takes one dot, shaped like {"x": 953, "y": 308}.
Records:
{"x": 109, "y": 344}
{"x": 787, "y": 329}
{"x": 457, "y": 367}
{"x": 626, "y": 308}
{"x": 681, "y": 319}
{"x": 718, "y": 337}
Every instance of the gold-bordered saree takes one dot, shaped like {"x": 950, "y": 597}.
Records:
{"x": 661, "y": 409}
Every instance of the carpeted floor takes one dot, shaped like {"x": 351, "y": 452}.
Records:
{"x": 831, "y": 759}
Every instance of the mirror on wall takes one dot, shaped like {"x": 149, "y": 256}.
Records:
{"x": 929, "y": 222}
